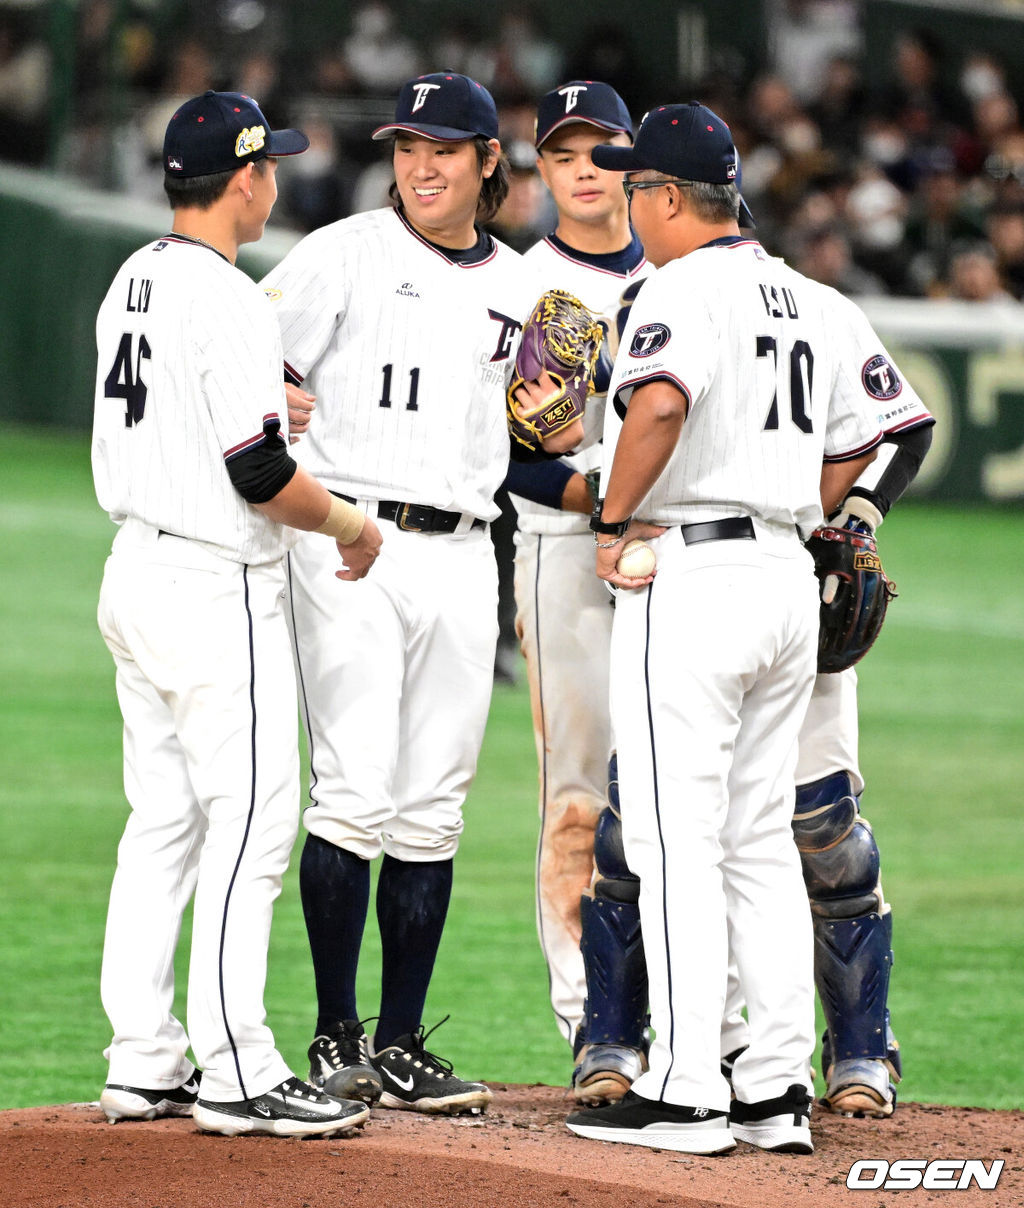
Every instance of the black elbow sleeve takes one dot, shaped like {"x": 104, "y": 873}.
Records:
{"x": 260, "y": 473}
{"x": 902, "y": 469}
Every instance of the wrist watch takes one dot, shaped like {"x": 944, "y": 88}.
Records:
{"x": 604, "y": 527}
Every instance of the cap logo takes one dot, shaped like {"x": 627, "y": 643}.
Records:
{"x": 571, "y": 94}
{"x": 422, "y": 92}
{"x": 251, "y": 139}
{"x": 174, "y": 164}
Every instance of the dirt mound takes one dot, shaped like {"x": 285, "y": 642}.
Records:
{"x": 518, "y": 1155}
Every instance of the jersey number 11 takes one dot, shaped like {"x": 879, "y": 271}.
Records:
{"x": 414, "y": 387}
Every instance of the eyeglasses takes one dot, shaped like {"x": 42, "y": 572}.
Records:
{"x": 629, "y": 186}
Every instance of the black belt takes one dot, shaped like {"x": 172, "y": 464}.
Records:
{"x": 417, "y": 517}
{"x": 732, "y": 528}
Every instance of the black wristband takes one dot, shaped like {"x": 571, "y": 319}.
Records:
{"x": 604, "y": 527}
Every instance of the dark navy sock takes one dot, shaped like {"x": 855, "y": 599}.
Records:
{"x": 335, "y": 888}
{"x": 412, "y": 904}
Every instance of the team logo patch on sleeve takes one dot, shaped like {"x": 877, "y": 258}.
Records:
{"x": 880, "y": 378}
{"x": 274, "y": 295}
{"x": 649, "y": 339}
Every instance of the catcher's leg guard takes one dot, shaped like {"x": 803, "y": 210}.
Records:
{"x": 612, "y": 944}
{"x": 852, "y": 945}
{"x": 615, "y": 1013}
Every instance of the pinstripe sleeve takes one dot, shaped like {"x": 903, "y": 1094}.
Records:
{"x": 309, "y": 290}
{"x": 867, "y": 386}
{"x": 241, "y": 367}
{"x": 668, "y": 337}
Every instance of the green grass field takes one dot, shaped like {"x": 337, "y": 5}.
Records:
{"x": 942, "y": 704}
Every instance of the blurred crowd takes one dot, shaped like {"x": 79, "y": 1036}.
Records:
{"x": 912, "y": 185}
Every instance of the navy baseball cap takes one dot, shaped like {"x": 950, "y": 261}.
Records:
{"x": 587, "y": 101}
{"x": 687, "y": 141}
{"x": 220, "y": 131}
{"x": 444, "y": 106}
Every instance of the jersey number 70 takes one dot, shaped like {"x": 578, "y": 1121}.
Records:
{"x": 125, "y": 379}
{"x": 801, "y": 379}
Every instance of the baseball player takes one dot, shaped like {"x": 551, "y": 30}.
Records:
{"x": 861, "y": 1058}
{"x": 852, "y": 921}
{"x": 402, "y": 324}
{"x": 742, "y": 425}
{"x": 189, "y": 461}
{"x": 594, "y": 255}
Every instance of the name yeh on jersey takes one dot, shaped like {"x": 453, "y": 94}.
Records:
{"x": 138, "y": 295}
{"x": 770, "y": 298}
{"x": 509, "y": 327}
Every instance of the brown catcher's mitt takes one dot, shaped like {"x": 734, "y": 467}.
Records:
{"x": 562, "y": 337}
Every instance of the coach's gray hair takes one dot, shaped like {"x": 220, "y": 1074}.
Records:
{"x": 714, "y": 203}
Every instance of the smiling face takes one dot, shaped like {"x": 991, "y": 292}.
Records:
{"x": 439, "y": 184}
{"x": 582, "y": 192}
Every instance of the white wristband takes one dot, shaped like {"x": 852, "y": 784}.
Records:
{"x": 864, "y": 510}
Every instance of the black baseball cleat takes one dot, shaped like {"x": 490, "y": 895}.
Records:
{"x": 656, "y": 1124}
{"x": 292, "y": 1109}
{"x": 119, "y": 1102}
{"x": 417, "y": 1081}
{"x": 781, "y": 1124}
{"x": 339, "y": 1063}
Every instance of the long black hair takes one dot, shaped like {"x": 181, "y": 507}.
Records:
{"x": 493, "y": 188}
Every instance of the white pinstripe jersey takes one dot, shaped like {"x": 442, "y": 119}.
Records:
{"x": 408, "y": 353}
{"x": 188, "y": 376}
{"x": 780, "y": 373}
{"x": 605, "y": 292}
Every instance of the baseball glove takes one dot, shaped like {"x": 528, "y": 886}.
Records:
{"x": 562, "y": 337}
{"x": 855, "y": 593}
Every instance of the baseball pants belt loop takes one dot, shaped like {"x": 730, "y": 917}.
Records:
{"x": 732, "y": 528}
{"x": 421, "y": 518}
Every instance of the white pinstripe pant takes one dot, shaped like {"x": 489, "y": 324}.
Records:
{"x": 712, "y": 667}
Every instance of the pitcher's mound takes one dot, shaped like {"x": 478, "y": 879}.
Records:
{"x": 518, "y": 1155}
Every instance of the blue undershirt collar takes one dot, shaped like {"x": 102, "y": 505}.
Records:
{"x": 623, "y": 262}
{"x": 725, "y": 241}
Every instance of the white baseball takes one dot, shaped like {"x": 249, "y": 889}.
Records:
{"x": 636, "y": 561}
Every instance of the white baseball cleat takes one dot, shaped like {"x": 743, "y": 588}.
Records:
{"x": 120, "y": 1102}
{"x": 292, "y": 1109}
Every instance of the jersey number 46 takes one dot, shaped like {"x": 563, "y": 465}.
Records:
{"x": 125, "y": 379}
